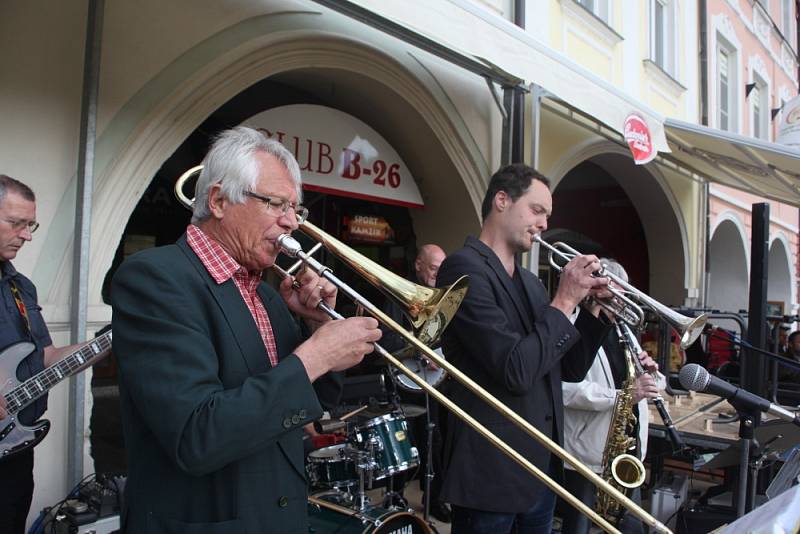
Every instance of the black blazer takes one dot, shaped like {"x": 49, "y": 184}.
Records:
{"x": 519, "y": 358}
{"x": 213, "y": 433}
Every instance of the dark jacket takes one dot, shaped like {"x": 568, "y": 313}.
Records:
{"x": 519, "y": 358}
{"x": 213, "y": 433}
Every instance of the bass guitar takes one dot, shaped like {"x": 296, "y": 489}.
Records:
{"x": 14, "y": 436}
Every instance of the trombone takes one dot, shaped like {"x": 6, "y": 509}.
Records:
{"x": 451, "y": 301}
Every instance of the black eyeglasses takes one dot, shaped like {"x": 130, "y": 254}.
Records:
{"x": 278, "y": 206}
{"x": 17, "y": 225}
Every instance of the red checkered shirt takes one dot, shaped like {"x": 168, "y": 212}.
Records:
{"x": 222, "y": 267}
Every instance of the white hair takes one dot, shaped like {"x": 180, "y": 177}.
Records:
{"x": 231, "y": 163}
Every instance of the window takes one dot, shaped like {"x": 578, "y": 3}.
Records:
{"x": 755, "y": 99}
{"x": 662, "y": 24}
{"x": 723, "y": 90}
{"x": 787, "y": 16}
{"x": 599, "y": 8}
{"x": 759, "y": 104}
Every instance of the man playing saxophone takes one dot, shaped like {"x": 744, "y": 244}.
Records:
{"x": 598, "y": 406}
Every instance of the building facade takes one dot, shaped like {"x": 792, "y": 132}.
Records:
{"x": 440, "y": 96}
{"x": 751, "y": 71}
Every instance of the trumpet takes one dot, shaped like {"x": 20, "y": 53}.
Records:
{"x": 622, "y": 304}
{"x": 388, "y": 282}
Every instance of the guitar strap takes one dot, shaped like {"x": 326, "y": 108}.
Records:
{"x": 23, "y": 311}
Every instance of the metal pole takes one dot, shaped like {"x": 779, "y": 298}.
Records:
{"x": 83, "y": 218}
{"x": 507, "y": 142}
{"x": 536, "y": 120}
{"x": 755, "y": 366}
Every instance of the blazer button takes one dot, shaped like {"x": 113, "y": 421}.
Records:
{"x": 295, "y": 419}
{"x": 283, "y": 502}
{"x": 303, "y": 414}
{"x": 287, "y": 423}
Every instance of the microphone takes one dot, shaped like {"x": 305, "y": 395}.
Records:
{"x": 695, "y": 378}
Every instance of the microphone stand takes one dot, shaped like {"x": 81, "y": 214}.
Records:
{"x": 748, "y": 476}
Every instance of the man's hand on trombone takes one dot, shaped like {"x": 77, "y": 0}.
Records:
{"x": 334, "y": 345}
{"x": 338, "y": 345}
{"x": 303, "y": 293}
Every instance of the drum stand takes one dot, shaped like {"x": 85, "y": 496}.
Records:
{"x": 392, "y": 498}
{"x": 429, "y": 474}
{"x": 430, "y": 426}
{"x": 363, "y": 466}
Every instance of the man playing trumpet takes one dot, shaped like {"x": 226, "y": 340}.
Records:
{"x": 519, "y": 345}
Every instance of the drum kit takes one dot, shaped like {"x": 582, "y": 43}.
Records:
{"x": 377, "y": 446}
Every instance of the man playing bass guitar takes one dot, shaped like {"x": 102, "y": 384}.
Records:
{"x": 20, "y": 320}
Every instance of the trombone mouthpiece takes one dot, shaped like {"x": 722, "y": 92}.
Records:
{"x": 289, "y": 245}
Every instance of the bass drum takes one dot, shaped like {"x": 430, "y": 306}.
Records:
{"x": 372, "y": 520}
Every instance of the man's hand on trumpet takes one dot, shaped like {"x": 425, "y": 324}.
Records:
{"x": 577, "y": 282}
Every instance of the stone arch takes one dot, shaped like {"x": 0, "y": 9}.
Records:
{"x": 728, "y": 257}
{"x": 658, "y": 210}
{"x": 177, "y": 112}
{"x": 781, "y": 280}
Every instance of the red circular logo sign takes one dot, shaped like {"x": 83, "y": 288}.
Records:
{"x": 638, "y": 137}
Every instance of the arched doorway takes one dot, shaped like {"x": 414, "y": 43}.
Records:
{"x": 590, "y": 203}
{"x": 779, "y": 281}
{"x": 728, "y": 278}
{"x": 388, "y": 98}
{"x": 630, "y": 211}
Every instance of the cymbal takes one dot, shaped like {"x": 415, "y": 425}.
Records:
{"x": 411, "y": 410}
{"x": 408, "y": 410}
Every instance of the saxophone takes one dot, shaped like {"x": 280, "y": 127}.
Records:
{"x": 621, "y": 468}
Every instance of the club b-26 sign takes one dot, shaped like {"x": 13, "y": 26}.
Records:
{"x": 339, "y": 154}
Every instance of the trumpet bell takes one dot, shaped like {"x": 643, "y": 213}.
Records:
{"x": 689, "y": 327}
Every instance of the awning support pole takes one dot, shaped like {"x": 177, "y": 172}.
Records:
{"x": 83, "y": 218}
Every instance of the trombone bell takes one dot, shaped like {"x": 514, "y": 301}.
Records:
{"x": 430, "y": 310}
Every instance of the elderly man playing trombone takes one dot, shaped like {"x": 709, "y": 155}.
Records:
{"x": 514, "y": 341}
{"x": 215, "y": 376}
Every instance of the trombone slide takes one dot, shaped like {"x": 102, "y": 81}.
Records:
{"x": 292, "y": 248}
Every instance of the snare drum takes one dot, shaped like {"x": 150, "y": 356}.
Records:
{"x": 386, "y": 439}
{"x": 373, "y": 520}
{"x": 332, "y": 467}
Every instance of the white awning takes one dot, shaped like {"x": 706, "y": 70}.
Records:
{"x": 470, "y": 36}
{"x": 473, "y": 33}
{"x": 765, "y": 169}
